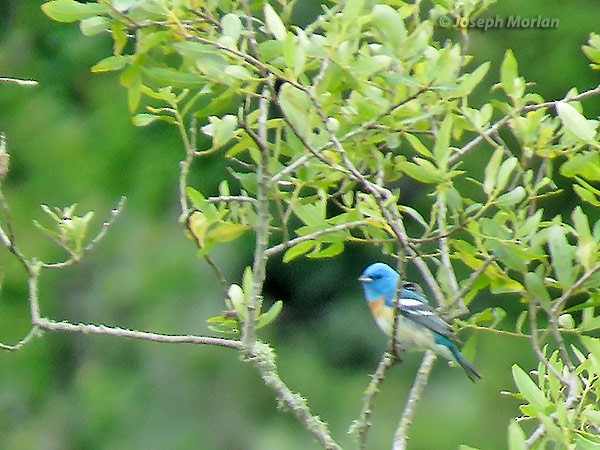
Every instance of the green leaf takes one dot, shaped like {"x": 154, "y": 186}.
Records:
{"x": 534, "y": 283}
{"x": 516, "y": 437}
{"x": 417, "y": 145}
{"x": 423, "y": 171}
{"x": 471, "y": 80}
{"x": 511, "y": 254}
{"x": 294, "y": 55}
{"x": 575, "y": 122}
{"x": 586, "y": 165}
{"x": 511, "y": 83}
{"x": 586, "y": 443}
{"x": 232, "y": 26}
{"x": 414, "y": 214}
{"x": 352, "y": 10}
{"x": 587, "y": 246}
{"x": 94, "y": 25}
{"x": 507, "y": 169}
{"x": 204, "y": 206}
{"x": 269, "y": 316}
{"x": 441, "y": 149}
{"x": 141, "y": 120}
{"x": 329, "y": 252}
{"x": 511, "y": 198}
{"x": 491, "y": 171}
{"x": 586, "y": 194}
{"x": 274, "y": 23}
{"x": 298, "y": 250}
{"x": 561, "y": 254}
{"x": 111, "y": 63}
{"x": 172, "y": 77}
{"x": 131, "y": 78}
{"x": 296, "y": 105}
{"x": 222, "y": 231}
{"x": 311, "y": 214}
{"x": 221, "y": 129}
{"x": 390, "y": 24}
{"x": 72, "y": 11}
{"x": 529, "y": 389}
{"x": 592, "y": 51}
{"x": 593, "y": 346}
{"x": 224, "y": 325}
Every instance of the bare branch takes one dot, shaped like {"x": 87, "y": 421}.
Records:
{"x": 18, "y": 81}
{"x": 33, "y": 333}
{"x": 84, "y": 328}
{"x": 360, "y": 428}
{"x": 401, "y": 435}
{"x": 262, "y": 358}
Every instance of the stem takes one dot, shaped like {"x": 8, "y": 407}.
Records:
{"x": 262, "y": 227}
{"x": 360, "y": 428}
{"x": 401, "y": 435}
{"x": 263, "y": 359}
{"x": 445, "y": 249}
{"x": 309, "y": 237}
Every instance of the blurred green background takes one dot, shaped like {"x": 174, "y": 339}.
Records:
{"x": 72, "y": 141}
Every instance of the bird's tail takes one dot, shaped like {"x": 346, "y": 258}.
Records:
{"x": 471, "y": 371}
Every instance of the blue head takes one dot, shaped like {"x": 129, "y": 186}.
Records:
{"x": 379, "y": 280}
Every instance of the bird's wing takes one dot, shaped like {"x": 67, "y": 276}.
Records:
{"x": 405, "y": 294}
{"x": 423, "y": 314}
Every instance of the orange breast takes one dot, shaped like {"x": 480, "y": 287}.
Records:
{"x": 382, "y": 314}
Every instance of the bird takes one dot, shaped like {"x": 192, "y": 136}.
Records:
{"x": 418, "y": 326}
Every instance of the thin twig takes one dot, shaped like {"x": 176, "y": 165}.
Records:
{"x": 401, "y": 435}
{"x": 116, "y": 212}
{"x": 18, "y": 81}
{"x": 504, "y": 120}
{"x": 448, "y": 310}
{"x": 445, "y": 249}
{"x": 262, "y": 227}
{"x": 309, "y": 237}
{"x": 360, "y": 428}
{"x": 231, "y": 199}
{"x": 84, "y": 328}
{"x": 33, "y": 333}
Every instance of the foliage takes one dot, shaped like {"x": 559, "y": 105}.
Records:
{"x": 321, "y": 127}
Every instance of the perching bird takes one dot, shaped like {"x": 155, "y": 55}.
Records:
{"x": 419, "y": 327}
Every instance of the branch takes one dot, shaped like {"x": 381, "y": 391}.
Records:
{"x": 33, "y": 333}
{"x": 360, "y": 427}
{"x": 84, "y": 328}
{"x": 503, "y": 121}
{"x": 446, "y": 309}
{"x": 48, "y": 324}
{"x": 445, "y": 249}
{"x": 18, "y": 81}
{"x": 231, "y": 199}
{"x": 75, "y": 257}
{"x": 263, "y": 359}
{"x": 309, "y": 237}
{"x": 401, "y": 435}
{"x": 262, "y": 226}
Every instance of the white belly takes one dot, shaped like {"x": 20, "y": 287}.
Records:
{"x": 409, "y": 336}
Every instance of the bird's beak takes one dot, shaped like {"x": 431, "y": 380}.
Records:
{"x": 365, "y": 279}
